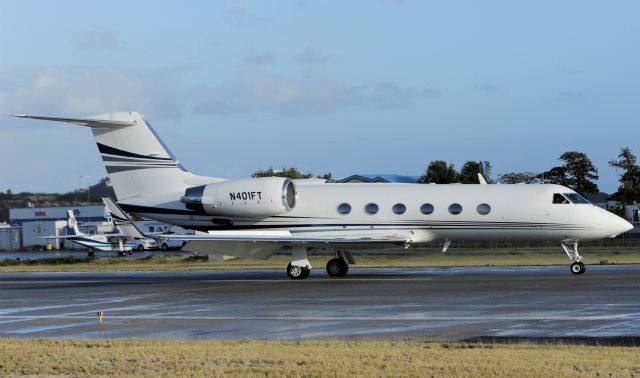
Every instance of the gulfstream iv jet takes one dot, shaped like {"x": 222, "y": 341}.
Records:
{"x": 256, "y": 217}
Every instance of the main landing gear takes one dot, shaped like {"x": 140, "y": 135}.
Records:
{"x": 339, "y": 265}
{"x": 571, "y": 249}
{"x": 298, "y": 272}
{"x": 299, "y": 268}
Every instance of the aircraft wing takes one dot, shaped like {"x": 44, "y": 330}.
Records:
{"x": 288, "y": 239}
{"x": 53, "y": 237}
{"x": 78, "y": 236}
{"x": 262, "y": 244}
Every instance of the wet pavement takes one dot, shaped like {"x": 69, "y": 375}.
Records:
{"x": 431, "y": 304}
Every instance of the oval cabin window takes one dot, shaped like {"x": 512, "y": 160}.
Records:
{"x": 344, "y": 208}
{"x": 484, "y": 209}
{"x": 371, "y": 208}
{"x": 399, "y": 208}
{"x": 455, "y": 208}
{"x": 426, "y": 209}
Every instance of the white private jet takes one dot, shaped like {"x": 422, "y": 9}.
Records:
{"x": 254, "y": 218}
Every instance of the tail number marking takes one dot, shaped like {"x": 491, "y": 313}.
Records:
{"x": 245, "y": 196}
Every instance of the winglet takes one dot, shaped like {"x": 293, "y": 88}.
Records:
{"x": 481, "y": 179}
{"x": 123, "y": 221}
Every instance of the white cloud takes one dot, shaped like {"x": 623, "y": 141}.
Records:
{"x": 260, "y": 58}
{"x": 485, "y": 87}
{"x": 96, "y": 39}
{"x": 312, "y": 56}
{"x": 241, "y": 14}
{"x": 311, "y": 88}
{"x": 255, "y": 86}
{"x": 569, "y": 97}
{"x": 84, "y": 91}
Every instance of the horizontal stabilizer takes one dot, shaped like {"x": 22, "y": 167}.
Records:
{"x": 102, "y": 120}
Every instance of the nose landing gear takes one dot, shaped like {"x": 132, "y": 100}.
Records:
{"x": 571, "y": 249}
{"x": 578, "y": 268}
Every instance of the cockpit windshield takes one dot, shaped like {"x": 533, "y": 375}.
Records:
{"x": 560, "y": 199}
{"x": 576, "y": 198}
{"x": 565, "y": 198}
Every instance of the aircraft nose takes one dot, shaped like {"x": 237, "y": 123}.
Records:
{"x": 619, "y": 225}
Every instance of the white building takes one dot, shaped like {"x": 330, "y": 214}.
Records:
{"x": 19, "y": 216}
{"x": 10, "y": 237}
{"x": 632, "y": 214}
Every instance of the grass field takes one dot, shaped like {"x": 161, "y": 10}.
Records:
{"x": 122, "y": 357}
{"x": 422, "y": 258}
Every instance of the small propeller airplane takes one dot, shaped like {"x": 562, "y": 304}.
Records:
{"x": 120, "y": 242}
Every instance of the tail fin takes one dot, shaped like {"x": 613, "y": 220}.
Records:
{"x": 123, "y": 223}
{"x": 72, "y": 224}
{"x": 137, "y": 161}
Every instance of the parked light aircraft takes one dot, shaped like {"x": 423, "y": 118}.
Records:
{"x": 254, "y": 218}
{"x": 117, "y": 242}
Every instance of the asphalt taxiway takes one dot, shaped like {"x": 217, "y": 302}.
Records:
{"x": 431, "y": 304}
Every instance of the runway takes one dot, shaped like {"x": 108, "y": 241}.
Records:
{"x": 430, "y": 304}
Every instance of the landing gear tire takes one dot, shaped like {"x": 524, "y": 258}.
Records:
{"x": 336, "y": 267}
{"x": 578, "y": 268}
{"x": 297, "y": 272}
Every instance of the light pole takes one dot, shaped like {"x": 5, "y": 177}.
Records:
{"x": 86, "y": 187}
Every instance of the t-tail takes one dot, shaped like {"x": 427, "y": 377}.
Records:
{"x": 72, "y": 224}
{"x": 137, "y": 161}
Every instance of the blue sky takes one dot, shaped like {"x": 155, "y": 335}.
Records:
{"x": 328, "y": 86}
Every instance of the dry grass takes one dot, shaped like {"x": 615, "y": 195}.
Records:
{"x": 420, "y": 258}
{"x": 309, "y": 358}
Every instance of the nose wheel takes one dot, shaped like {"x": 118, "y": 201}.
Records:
{"x": 571, "y": 249}
{"x": 578, "y": 268}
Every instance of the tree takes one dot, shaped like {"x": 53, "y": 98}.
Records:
{"x": 292, "y": 173}
{"x": 439, "y": 172}
{"x": 469, "y": 172}
{"x": 556, "y": 175}
{"x": 629, "y": 189}
{"x": 327, "y": 176}
{"x": 518, "y": 178}
{"x": 578, "y": 173}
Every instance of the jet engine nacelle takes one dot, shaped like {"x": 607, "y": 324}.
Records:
{"x": 251, "y": 198}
